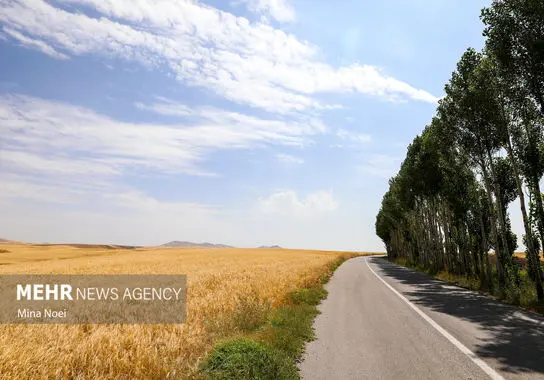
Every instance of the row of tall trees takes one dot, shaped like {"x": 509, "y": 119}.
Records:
{"x": 447, "y": 207}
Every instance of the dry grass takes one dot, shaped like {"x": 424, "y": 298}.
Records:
{"x": 217, "y": 280}
{"x": 521, "y": 255}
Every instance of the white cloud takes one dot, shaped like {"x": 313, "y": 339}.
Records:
{"x": 84, "y": 193}
{"x": 300, "y": 126}
{"x": 29, "y": 188}
{"x": 280, "y": 10}
{"x": 287, "y": 202}
{"x": 381, "y": 165}
{"x": 288, "y": 159}
{"x": 166, "y": 107}
{"x": 353, "y": 136}
{"x": 63, "y": 139}
{"x": 106, "y": 215}
{"x": 34, "y": 44}
{"x": 252, "y": 64}
{"x": 54, "y": 164}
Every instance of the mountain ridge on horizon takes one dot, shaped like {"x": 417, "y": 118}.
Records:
{"x": 188, "y": 244}
{"x": 171, "y": 244}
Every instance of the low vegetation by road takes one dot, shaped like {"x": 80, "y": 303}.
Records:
{"x": 524, "y": 296}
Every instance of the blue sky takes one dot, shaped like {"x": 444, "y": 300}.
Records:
{"x": 244, "y": 122}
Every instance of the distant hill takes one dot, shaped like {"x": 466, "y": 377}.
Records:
{"x": 89, "y": 246}
{"x": 6, "y": 241}
{"x": 188, "y": 244}
{"x": 269, "y": 246}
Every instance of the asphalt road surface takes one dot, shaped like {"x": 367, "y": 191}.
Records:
{"x": 383, "y": 321}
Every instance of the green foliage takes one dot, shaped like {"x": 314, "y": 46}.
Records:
{"x": 515, "y": 36}
{"x": 312, "y": 296}
{"x": 290, "y": 328}
{"x": 246, "y": 359}
{"x": 448, "y": 205}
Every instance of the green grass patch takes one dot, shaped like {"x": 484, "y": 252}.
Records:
{"x": 289, "y": 328}
{"x": 244, "y": 358}
{"x": 309, "y": 296}
{"x": 271, "y": 343}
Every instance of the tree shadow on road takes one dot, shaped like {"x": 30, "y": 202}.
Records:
{"x": 517, "y": 343}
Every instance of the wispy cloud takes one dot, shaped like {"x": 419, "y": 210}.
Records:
{"x": 280, "y": 10}
{"x": 288, "y": 159}
{"x": 353, "y": 136}
{"x": 88, "y": 196}
{"x": 381, "y": 165}
{"x": 251, "y": 64}
{"x": 287, "y": 202}
{"x": 55, "y": 164}
{"x": 33, "y": 44}
{"x": 59, "y": 138}
{"x": 273, "y": 128}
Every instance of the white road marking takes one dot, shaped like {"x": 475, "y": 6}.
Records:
{"x": 472, "y": 356}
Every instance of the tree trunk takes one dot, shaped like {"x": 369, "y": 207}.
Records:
{"x": 485, "y": 257}
{"x": 539, "y": 209}
{"x": 495, "y": 233}
{"x": 500, "y": 207}
{"x": 531, "y": 251}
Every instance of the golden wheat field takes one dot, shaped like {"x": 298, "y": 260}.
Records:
{"x": 218, "y": 280}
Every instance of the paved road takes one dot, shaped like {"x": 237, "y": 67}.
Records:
{"x": 382, "y": 321}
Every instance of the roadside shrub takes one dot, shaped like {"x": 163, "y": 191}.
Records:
{"x": 290, "y": 327}
{"x": 243, "y": 358}
{"x": 311, "y": 296}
